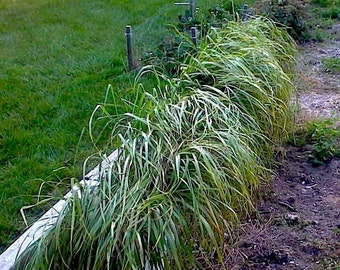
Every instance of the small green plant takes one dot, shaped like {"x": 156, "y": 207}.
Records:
{"x": 331, "y": 64}
{"x": 332, "y": 13}
{"x": 329, "y": 263}
{"x": 336, "y": 231}
{"x": 320, "y": 35}
{"x": 324, "y": 138}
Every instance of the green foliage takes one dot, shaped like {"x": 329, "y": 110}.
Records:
{"x": 214, "y": 16}
{"x": 176, "y": 47}
{"x": 326, "y": 3}
{"x": 194, "y": 150}
{"x": 183, "y": 180}
{"x": 170, "y": 53}
{"x": 288, "y": 13}
{"x": 330, "y": 263}
{"x": 324, "y": 138}
{"x": 233, "y": 60}
{"x": 331, "y": 64}
{"x": 332, "y": 13}
{"x": 320, "y": 35}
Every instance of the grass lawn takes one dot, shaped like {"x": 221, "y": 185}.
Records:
{"x": 57, "y": 58}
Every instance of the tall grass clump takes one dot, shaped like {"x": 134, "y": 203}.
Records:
{"x": 182, "y": 177}
{"x": 252, "y": 63}
{"x": 188, "y": 168}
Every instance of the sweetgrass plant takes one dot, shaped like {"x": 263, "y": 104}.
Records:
{"x": 188, "y": 167}
{"x": 187, "y": 177}
{"x": 252, "y": 62}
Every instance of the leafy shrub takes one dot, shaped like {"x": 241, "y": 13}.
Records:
{"x": 170, "y": 53}
{"x": 288, "y": 13}
{"x": 176, "y": 47}
{"x": 215, "y": 16}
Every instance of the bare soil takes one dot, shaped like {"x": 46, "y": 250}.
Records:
{"x": 319, "y": 88}
{"x": 298, "y": 221}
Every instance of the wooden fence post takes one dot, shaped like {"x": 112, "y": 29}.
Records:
{"x": 192, "y": 8}
{"x": 129, "y": 47}
{"x": 245, "y": 12}
{"x": 194, "y": 35}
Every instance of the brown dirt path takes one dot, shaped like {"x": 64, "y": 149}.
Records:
{"x": 319, "y": 94}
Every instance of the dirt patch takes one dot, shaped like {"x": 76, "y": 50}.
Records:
{"x": 318, "y": 105}
{"x": 319, "y": 94}
{"x": 298, "y": 222}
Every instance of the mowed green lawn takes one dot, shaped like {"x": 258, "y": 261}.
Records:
{"x": 56, "y": 59}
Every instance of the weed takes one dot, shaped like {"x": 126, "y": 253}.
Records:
{"x": 331, "y": 65}
{"x": 324, "y": 138}
{"x": 320, "y": 35}
{"x": 330, "y": 263}
{"x": 336, "y": 231}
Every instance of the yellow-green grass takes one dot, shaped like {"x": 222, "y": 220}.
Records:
{"x": 56, "y": 59}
